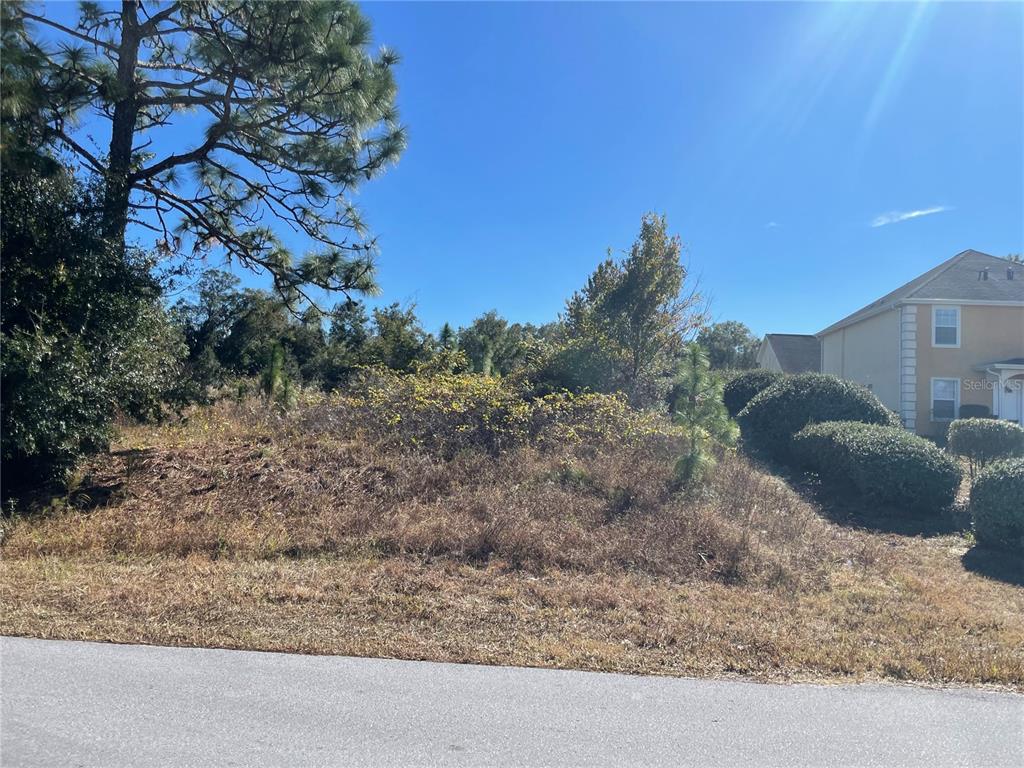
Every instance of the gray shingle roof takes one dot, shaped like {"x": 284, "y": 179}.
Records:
{"x": 796, "y": 352}
{"x": 956, "y": 279}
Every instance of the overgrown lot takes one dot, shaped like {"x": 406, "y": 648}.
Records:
{"x": 552, "y": 534}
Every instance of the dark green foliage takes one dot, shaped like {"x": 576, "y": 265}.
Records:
{"x": 234, "y": 333}
{"x": 84, "y": 334}
{"x": 290, "y": 108}
{"x": 883, "y": 464}
{"x": 997, "y": 505}
{"x": 399, "y": 341}
{"x": 729, "y": 345}
{"x": 205, "y": 324}
{"x": 273, "y": 376}
{"x": 697, "y": 408}
{"x": 345, "y": 347}
{"x": 576, "y": 365}
{"x": 982, "y": 441}
{"x": 494, "y": 347}
{"x": 771, "y": 418}
{"x": 743, "y": 387}
{"x": 447, "y": 338}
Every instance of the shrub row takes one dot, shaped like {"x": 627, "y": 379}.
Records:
{"x": 997, "y": 505}
{"x": 885, "y": 464}
{"x": 771, "y": 419}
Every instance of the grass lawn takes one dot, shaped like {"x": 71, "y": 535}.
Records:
{"x": 239, "y": 531}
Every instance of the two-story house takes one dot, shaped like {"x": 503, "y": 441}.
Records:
{"x": 952, "y": 337}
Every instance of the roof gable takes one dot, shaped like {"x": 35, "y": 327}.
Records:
{"x": 796, "y": 352}
{"x": 956, "y": 279}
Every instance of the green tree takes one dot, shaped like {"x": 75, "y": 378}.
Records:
{"x": 84, "y": 331}
{"x": 290, "y": 109}
{"x": 482, "y": 340}
{"x": 729, "y": 345}
{"x": 634, "y": 315}
{"x": 345, "y": 347}
{"x": 263, "y": 321}
{"x": 399, "y": 341}
{"x": 697, "y": 406}
{"x": 447, "y": 338}
{"x": 349, "y": 325}
{"x": 206, "y": 323}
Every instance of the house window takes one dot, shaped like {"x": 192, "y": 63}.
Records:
{"x": 945, "y": 399}
{"x": 946, "y": 326}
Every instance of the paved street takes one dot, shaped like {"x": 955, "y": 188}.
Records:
{"x": 69, "y": 703}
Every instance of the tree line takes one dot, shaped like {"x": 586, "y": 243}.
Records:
{"x": 292, "y": 112}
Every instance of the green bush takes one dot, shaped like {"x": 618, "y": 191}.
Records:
{"x": 982, "y": 441}
{"x": 997, "y": 505}
{"x": 882, "y": 463}
{"x": 83, "y": 334}
{"x": 770, "y": 420}
{"x": 743, "y": 387}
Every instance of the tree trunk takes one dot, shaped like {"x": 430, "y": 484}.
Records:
{"x": 126, "y": 110}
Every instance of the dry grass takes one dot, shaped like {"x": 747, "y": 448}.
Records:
{"x": 242, "y": 530}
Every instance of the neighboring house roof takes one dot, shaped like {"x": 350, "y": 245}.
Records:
{"x": 796, "y": 352}
{"x": 956, "y": 279}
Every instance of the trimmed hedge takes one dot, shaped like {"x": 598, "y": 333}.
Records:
{"x": 982, "y": 441}
{"x": 743, "y": 387}
{"x": 997, "y": 505}
{"x": 770, "y": 420}
{"x": 884, "y": 464}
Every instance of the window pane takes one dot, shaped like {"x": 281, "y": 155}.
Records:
{"x": 943, "y": 409}
{"x": 945, "y": 335}
{"x": 944, "y": 389}
{"x": 945, "y": 317}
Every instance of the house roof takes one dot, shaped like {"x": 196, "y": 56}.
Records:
{"x": 956, "y": 279}
{"x": 796, "y": 352}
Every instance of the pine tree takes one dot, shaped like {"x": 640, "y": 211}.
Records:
{"x": 447, "y": 338}
{"x": 291, "y": 108}
{"x": 273, "y": 378}
{"x": 699, "y": 409}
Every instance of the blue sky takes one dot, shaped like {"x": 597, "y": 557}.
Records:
{"x": 773, "y": 136}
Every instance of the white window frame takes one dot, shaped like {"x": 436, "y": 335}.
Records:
{"x": 959, "y": 325}
{"x": 956, "y": 397}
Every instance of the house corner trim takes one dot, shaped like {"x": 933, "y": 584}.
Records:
{"x": 908, "y": 366}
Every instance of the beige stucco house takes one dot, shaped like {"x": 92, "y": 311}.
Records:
{"x": 952, "y": 337}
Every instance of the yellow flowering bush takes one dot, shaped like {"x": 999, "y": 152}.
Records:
{"x": 451, "y": 412}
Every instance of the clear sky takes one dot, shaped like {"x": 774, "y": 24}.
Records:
{"x": 811, "y": 156}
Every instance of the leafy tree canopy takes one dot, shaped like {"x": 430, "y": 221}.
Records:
{"x": 729, "y": 344}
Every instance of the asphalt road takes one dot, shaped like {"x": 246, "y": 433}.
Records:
{"x": 69, "y": 703}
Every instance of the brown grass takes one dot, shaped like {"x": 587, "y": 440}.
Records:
{"x": 239, "y": 529}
